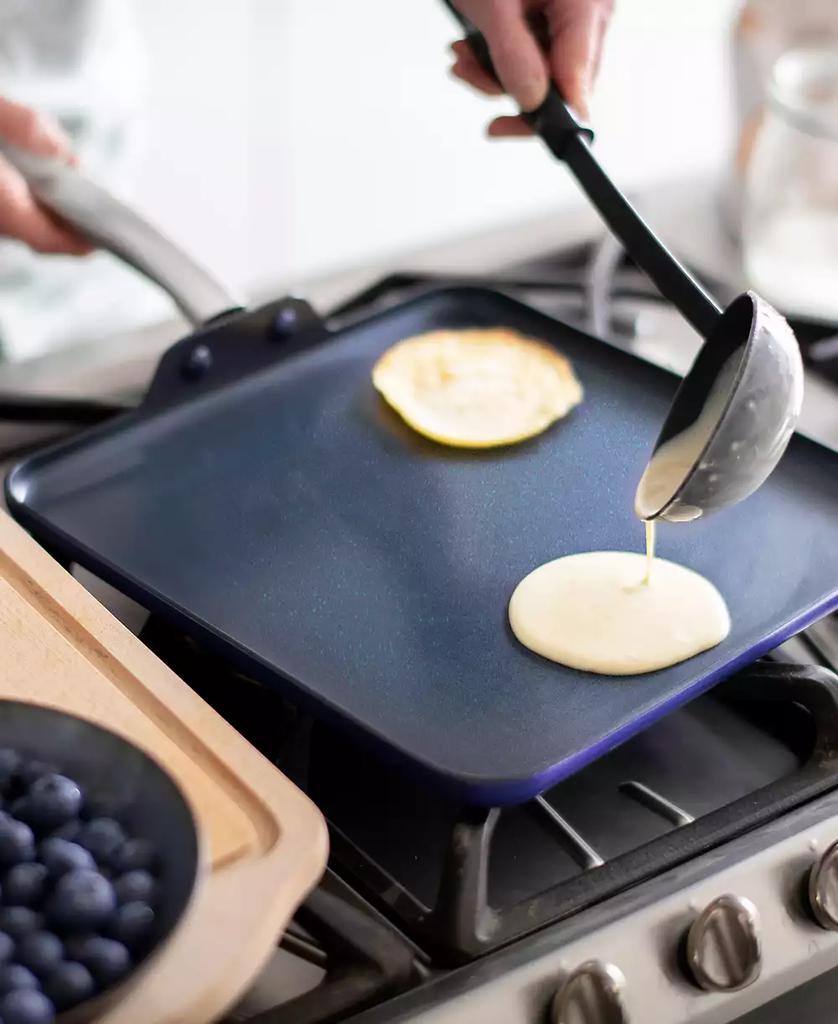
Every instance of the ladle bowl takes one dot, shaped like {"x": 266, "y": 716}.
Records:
{"x": 754, "y": 348}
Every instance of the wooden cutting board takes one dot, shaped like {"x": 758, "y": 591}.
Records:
{"x": 265, "y": 842}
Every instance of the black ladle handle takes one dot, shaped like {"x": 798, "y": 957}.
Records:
{"x": 569, "y": 140}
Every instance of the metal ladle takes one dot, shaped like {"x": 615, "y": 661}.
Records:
{"x": 762, "y": 384}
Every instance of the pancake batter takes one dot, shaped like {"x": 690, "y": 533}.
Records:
{"x": 602, "y": 611}
{"x": 673, "y": 461}
{"x": 618, "y": 613}
{"x": 650, "y": 549}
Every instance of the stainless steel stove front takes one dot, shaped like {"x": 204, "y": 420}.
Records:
{"x": 634, "y": 948}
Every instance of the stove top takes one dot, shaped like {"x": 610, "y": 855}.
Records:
{"x": 436, "y": 886}
{"x": 425, "y": 901}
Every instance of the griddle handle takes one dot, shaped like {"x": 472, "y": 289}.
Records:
{"x": 113, "y": 225}
{"x": 569, "y": 139}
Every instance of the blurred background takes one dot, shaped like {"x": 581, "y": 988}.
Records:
{"x": 302, "y": 135}
{"x": 283, "y": 139}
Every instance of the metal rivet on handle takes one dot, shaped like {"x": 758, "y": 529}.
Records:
{"x": 286, "y": 321}
{"x": 591, "y": 994}
{"x": 197, "y": 362}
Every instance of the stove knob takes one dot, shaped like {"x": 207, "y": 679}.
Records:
{"x": 591, "y": 994}
{"x": 723, "y": 945}
{"x": 823, "y": 889}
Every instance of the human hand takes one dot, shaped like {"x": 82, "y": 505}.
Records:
{"x": 533, "y": 42}
{"x": 21, "y": 216}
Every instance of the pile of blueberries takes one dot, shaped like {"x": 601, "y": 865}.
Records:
{"x": 76, "y": 894}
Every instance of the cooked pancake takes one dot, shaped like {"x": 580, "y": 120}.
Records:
{"x": 477, "y": 388}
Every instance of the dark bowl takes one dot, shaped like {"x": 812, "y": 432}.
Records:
{"x": 127, "y": 784}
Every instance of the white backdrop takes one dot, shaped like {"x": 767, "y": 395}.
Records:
{"x": 287, "y": 137}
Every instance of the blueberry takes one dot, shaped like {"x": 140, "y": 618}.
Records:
{"x": 133, "y": 855}
{"x": 76, "y": 944}
{"x": 102, "y": 837}
{"x": 106, "y": 959}
{"x": 52, "y": 800}
{"x": 81, "y": 899}
{"x": 7, "y": 947}
{"x": 26, "y": 1006}
{"x": 40, "y": 952}
{"x": 98, "y": 806}
{"x": 17, "y": 844}
{"x": 24, "y": 885}
{"x": 30, "y": 771}
{"x": 135, "y": 885}
{"x": 20, "y": 921}
{"x": 131, "y": 923}
{"x": 69, "y": 830}
{"x": 68, "y": 985}
{"x": 60, "y": 856}
{"x": 9, "y": 765}
{"x": 14, "y": 976}
{"x": 19, "y": 809}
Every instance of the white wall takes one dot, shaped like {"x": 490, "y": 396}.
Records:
{"x": 291, "y": 136}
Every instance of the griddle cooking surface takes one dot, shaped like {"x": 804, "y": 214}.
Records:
{"x": 294, "y": 521}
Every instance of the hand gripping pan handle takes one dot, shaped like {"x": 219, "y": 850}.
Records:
{"x": 115, "y": 226}
{"x": 569, "y": 140}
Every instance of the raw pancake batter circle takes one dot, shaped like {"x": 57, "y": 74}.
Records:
{"x": 593, "y": 611}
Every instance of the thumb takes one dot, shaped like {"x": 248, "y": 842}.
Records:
{"x": 577, "y": 32}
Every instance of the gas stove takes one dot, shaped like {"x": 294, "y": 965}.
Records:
{"x": 688, "y": 875}
{"x": 452, "y": 898}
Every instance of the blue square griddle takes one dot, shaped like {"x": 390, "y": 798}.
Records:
{"x": 293, "y": 522}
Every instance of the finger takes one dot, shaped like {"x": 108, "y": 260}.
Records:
{"x": 42, "y": 231}
{"x": 577, "y": 31}
{"x": 61, "y": 238}
{"x": 32, "y": 131}
{"x": 519, "y": 63}
{"x": 600, "y": 44}
{"x": 469, "y": 70}
{"x": 509, "y": 128}
{"x": 22, "y": 218}
{"x": 476, "y": 78}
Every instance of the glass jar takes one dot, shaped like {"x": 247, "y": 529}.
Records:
{"x": 764, "y": 30}
{"x": 790, "y": 214}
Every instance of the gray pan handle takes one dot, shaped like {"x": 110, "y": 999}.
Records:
{"x": 114, "y": 226}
